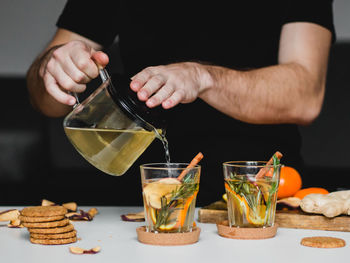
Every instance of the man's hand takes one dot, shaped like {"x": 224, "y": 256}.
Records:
{"x": 169, "y": 85}
{"x": 66, "y": 65}
{"x": 67, "y": 68}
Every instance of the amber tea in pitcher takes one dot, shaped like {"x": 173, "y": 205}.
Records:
{"x": 111, "y": 151}
{"x": 112, "y": 128}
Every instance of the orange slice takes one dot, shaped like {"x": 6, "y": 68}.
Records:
{"x": 173, "y": 222}
{"x": 255, "y": 219}
{"x": 259, "y": 218}
{"x": 168, "y": 227}
{"x": 183, "y": 213}
{"x": 240, "y": 200}
{"x": 153, "y": 214}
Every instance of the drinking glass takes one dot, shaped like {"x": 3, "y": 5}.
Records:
{"x": 169, "y": 196}
{"x": 251, "y": 188}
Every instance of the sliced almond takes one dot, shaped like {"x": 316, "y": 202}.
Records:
{"x": 156, "y": 190}
{"x": 134, "y": 217}
{"x": 80, "y": 251}
{"x": 290, "y": 201}
{"x": 79, "y": 216}
{"x": 71, "y": 206}
{"x": 92, "y": 212}
{"x": 96, "y": 249}
{"x": 46, "y": 202}
{"x": 9, "y": 215}
{"x": 76, "y": 250}
{"x": 72, "y": 214}
{"x": 15, "y": 224}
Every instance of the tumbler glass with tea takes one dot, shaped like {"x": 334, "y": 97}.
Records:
{"x": 169, "y": 195}
{"x": 251, "y": 189}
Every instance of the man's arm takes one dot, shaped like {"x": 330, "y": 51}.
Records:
{"x": 63, "y": 66}
{"x": 290, "y": 92}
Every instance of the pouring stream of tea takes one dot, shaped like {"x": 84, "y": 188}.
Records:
{"x": 162, "y": 138}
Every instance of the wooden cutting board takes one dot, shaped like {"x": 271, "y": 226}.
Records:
{"x": 217, "y": 212}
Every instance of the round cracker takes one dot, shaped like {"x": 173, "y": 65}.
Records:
{"x": 58, "y": 223}
{"x": 323, "y": 242}
{"x": 44, "y": 211}
{"x": 55, "y": 230}
{"x": 39, "y": 219}
{"x": 61, "y": 241}
{"x": 54, "y": 236}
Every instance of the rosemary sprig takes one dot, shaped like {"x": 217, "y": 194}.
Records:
{"x": 276, "y": 163}
{"x": 274, "y": 185}
{"x": 187, "y": 189}
{"x": 245, "y": 188}
{"x": 164, "y": 212}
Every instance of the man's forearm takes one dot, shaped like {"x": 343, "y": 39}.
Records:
{"x": 285, "y": 93}
{"x": 39, "y": 97}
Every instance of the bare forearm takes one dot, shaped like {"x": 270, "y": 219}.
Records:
{"x": 39, "y": 97}
{"x": 285, "y": 93}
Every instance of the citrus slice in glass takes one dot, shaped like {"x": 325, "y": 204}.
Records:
{"x": 256, "y": 216}
{"x": 224, "y": 196}
{"x": 172, "y": 222}
{"x": 153, "y": 214}
{"x": 155, "y": 191}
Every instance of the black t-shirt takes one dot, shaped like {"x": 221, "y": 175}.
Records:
{"x": 235, "y": 34}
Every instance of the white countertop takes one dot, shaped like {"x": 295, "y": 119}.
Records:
{"x": 119, "y": 243}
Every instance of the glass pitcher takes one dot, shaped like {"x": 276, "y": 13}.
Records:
{"x": 112, "y": 128}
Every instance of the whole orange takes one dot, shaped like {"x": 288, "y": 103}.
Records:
{"x": 311, "y": 190}
{"x": 290, "y": 182}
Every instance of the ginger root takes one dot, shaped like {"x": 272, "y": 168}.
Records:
{"x": 330, "y": 205}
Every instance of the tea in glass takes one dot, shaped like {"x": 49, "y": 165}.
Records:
{"x": 251, "y": 189}
{"x": 169, "y": 196}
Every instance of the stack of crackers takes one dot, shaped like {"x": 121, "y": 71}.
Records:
{"x": 48, "y": 225}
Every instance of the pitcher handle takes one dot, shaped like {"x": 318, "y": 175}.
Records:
{"x": 103, "y": 74}
{"x": 104, "y": 77}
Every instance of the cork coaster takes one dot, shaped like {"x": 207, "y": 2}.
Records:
{"x": 225, "y": 230}
{"x": 167, "y": 239}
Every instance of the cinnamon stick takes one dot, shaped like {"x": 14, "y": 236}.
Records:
{"x": 262, "y": 171}
{"x": 192, "y": 164}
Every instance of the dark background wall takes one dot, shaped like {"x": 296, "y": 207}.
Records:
{"x": 37, "y": 161}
